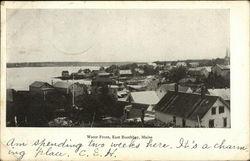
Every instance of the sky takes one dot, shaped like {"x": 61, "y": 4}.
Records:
{"x": 113, "y": 35}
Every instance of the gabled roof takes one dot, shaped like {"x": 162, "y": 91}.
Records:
{"x": 224, "y": 93}
{"x": 171, "y": 87}
{"x": 145, "y": 97}
{"x": 187, "y": 105}
{"x": 39, "y": 84}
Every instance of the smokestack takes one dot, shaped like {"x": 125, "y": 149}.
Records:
{"x": 203, "y": 92}
{"x": 176, "y": 86}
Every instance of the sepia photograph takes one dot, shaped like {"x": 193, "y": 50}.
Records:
{"x": 124, "y": 80}
{"x": 133, "y": 68}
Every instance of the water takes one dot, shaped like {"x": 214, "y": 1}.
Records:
{"x": 21, "y": 78}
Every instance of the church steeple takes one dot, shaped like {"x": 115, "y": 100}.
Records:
{"x": 227, "y": 57}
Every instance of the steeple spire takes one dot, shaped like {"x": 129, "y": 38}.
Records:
{"x": 227, "y": 53}
{"x": 227, "y": 57}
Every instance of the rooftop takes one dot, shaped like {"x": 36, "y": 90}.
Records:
{"x": 62, "y": 84}
{"x": 145, "y": 97}
{"x": 224, "y": 93}
{"x": 38, "y": 84}
{"x": 125, "y": 71}
{"x": 187, "y": 105}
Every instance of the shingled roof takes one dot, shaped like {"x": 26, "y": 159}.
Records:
{"x": 39, "y": 84}
{"x": 187, "y": 105}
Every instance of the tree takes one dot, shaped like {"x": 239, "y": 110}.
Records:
{"x": 113, "y": 69}
{"x": 176, "y": 74}
{"x": 37, "y": 114}
{"x": 216, "y": 81}
{"x": 87, "y": 70}
{"x": 95, "y": 107}
{"x": 92, "y": 108}
{"x": 102, "y": 68}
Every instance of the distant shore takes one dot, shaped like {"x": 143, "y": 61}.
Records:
{"x": 77, "y": 64}
{"x": 62, "y": 64}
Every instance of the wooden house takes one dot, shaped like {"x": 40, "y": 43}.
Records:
{"x": 193, "y": 110}
{"x": 38, "y": 87}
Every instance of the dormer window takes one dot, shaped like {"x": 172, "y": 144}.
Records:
{"x": 221, "y": 109}
{"x": 213, "y": 112}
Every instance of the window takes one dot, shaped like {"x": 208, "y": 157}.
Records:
{"x": 211, "y": 123}
{"x": 174, "y": 119}
{"x": 225, "y": 122}
{"x": 213, "y": 111}
{"x": 183, "y": 123}
{"x": 221, "y": 109}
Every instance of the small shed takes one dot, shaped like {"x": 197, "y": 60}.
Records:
{"x": 40, "y": 87}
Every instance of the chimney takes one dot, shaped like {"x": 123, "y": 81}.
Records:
{"x": 176, "y": 86}
{"x": 203, "y": 92}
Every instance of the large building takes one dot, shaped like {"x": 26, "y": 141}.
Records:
{"x": 193, "y": 110}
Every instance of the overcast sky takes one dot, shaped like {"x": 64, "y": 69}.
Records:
{"x": 116, "y": 35}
